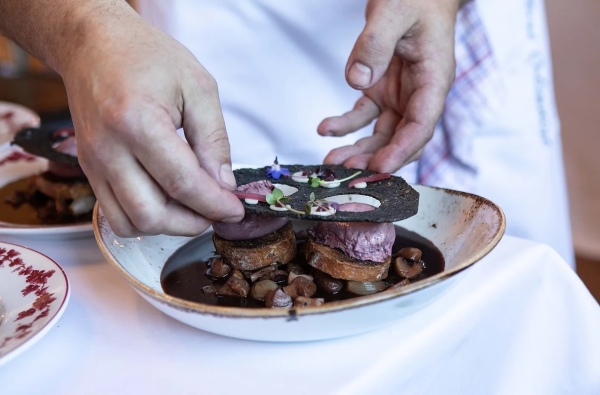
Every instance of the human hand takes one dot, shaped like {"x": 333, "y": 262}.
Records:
{"x": 403, "y": 61}
{"x": 13, "y": 118}
{"x": 129, "y": 90}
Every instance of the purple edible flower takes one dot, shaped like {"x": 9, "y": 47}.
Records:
{"x": 276, "y": 171}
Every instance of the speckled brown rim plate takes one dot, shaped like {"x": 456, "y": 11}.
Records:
{"x": 200, "y": 308}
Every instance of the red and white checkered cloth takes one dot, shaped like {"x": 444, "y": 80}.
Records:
{"x": 447, "y": 158}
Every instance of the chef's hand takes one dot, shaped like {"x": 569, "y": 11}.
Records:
{"x": 403, "y": 61}
{"x": 128, "y": 93}
{"x": 13, "y": 118}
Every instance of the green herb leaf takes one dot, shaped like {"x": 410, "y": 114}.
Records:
{"x": 277, "y": 193}
{"x": 284, "y": 199}
{"x": 312, "y": 196}
{"x": 307, "y": 208}
{"x": 270, "y": 199}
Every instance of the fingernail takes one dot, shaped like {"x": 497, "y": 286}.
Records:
{"x": 227, "y": 176}
{"x": 233, "y": 220}
{"x": 359, "y": 75}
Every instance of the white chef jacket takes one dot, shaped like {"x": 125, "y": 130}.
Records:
{"x": 280, "y": 66}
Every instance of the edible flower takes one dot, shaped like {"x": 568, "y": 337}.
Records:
{"x": 276, "y": 171}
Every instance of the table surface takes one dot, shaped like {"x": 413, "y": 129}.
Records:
{"x": 518, "y": 322}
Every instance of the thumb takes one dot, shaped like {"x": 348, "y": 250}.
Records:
{"x": 205, "y": 131}
{"x": 386, "y": 25}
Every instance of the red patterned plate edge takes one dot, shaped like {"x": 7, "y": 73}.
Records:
{"x": 16, "y": 156}
{"x": 33, "y": 336}
{"x": 11, "y": 154}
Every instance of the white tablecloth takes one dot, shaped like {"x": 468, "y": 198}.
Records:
{"x": 518, "y": 322}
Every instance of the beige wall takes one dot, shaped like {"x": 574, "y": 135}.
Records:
{"x": 575, "y": 38}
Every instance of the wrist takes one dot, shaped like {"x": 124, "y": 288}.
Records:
{"x": 91, "y": 28}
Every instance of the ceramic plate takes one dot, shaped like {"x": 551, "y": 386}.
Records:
{"x": 463, "y": 226}
{"x": 34, "y": 292}
{"x": 15, "y": 164}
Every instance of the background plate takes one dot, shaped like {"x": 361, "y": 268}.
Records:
{"x": 34, "y": 292}
{"x": 15, "y": 164}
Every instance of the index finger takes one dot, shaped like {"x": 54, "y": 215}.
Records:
{"x": 422, "y": 113}
{"x": 174, "y": 166}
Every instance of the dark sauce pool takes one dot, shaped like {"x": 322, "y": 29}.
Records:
{"x": 28, "y": 213}
{"x": 184, "y": 273}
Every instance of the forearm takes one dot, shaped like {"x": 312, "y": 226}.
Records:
{"x": 55, "y": 31}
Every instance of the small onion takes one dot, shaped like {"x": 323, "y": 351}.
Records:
{"x": 365, "y": 288}
{"x": 260, "y": 289}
